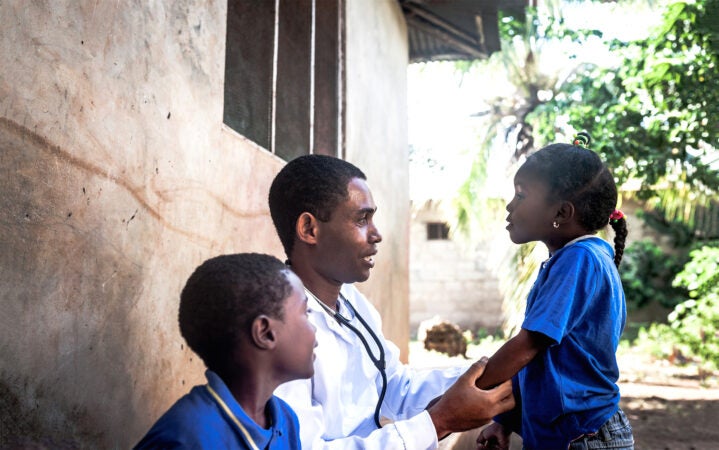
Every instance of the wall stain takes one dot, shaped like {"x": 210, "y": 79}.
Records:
{"x": 45, "y": 145}
{"x": 23, "y": 426}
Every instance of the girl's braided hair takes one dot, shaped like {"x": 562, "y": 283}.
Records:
{"x": 576, "y": 174}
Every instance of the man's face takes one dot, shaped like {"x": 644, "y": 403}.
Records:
{"x": 296, "y": 335}
{"x": 347, "y": 243}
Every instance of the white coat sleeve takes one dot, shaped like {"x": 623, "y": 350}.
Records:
{"x": 409, "y": 390}
{"x": 416, "y": 433}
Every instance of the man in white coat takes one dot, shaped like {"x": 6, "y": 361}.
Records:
{"x": 361, "y": 396}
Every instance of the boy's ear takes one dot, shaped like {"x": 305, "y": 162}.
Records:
{"x": 565, "y": 213}
{"x": 263, "y": 332}
{"x": 306, "y": 228}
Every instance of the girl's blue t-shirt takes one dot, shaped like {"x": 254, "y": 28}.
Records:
{"x": 570, "y": 389}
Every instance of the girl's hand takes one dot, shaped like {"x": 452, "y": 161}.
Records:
{"x": 493, "y": 437}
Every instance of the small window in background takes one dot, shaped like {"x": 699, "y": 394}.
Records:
{"x": 437, "y": 231}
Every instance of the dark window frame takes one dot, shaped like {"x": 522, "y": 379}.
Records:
{"x": 285, "y": 75}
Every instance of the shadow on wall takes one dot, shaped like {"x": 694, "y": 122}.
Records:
{"x": 68, "y": 292}
{"x": 22, "y": 427}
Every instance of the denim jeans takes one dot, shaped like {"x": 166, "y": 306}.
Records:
{"x": 616, "y": 433}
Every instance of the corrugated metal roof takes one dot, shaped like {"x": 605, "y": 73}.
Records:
{"x": 454, "y": 29}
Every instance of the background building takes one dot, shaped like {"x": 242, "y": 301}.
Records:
{"x": 448, "y": 278}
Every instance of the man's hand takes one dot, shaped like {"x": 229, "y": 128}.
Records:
{"x": 464, "y": 406}
{"x": 493, "y": 437}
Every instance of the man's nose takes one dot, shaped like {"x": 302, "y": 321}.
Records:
{"x": 375, "y": 235}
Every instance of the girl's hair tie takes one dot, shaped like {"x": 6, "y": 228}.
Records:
{"x": 616, "y": 216}
{"x": 582, "y": 139}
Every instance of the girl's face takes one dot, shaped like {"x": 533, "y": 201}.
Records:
{"x": 531, "y": 211}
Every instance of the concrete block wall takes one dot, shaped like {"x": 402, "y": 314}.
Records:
{"x": 448, "y": 280}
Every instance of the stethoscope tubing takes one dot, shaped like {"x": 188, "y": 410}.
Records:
{"x": 379, "y": 362}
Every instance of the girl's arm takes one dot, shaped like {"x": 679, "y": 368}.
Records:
{"x": 511, "y": 357}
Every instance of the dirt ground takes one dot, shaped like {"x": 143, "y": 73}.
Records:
{"x": 669, "y": 407}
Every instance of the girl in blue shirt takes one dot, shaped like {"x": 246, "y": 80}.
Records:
{"x": 563, "y": 361}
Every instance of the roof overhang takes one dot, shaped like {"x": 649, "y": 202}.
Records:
{"x": 454, "y": 29}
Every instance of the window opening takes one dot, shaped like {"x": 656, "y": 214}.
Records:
{"x": 437, "y": 231}
{"x": 284, "y": 75}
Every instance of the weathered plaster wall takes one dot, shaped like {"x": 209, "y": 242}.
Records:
{"x": 118, "y": 178}
{"x": 377, "y": 142}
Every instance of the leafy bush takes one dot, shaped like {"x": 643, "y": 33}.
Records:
{"x": 646, "y": 274}
{"x": 693, "y": 326}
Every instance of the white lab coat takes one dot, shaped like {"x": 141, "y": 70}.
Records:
{"x": 336, "y": 406}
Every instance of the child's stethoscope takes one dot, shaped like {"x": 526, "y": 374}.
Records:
{"x": 379, "y": 362}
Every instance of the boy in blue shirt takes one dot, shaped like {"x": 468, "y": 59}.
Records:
{"x": 245, "y": 315}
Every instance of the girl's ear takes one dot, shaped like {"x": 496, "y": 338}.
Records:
{"x": 565, "y": 213}
{"x": 263, "y": 333}
{"x": 306, "y": 228}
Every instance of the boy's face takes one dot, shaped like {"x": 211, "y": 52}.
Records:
{"x": 296, "y": 335}
{"x": 347, "y": 243}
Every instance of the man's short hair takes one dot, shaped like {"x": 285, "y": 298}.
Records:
{"x": 309, "y": 183}
{"x": 222, "y": 298}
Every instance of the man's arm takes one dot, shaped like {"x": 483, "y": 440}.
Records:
{"x": 464, "y": 406}
{"x": 461, "y": 408}
{"x": 512, "y": 357}
{"x": 414, "y": 433}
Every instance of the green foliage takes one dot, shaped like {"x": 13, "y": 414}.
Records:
{"x": 654, "y": 115}
{"x": 517, "y": 275}
{"x": 524, "y": 39}
{"x": 680, "y": 234}
{"x": 483, "y": 337}
{"x": 646, "y": 274}
{"x": 693, "y": 326}
{"x": 701, "y": 274}
{"x": 470, "y": 204}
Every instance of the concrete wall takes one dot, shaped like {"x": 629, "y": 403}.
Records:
{"x": 449, "y": 280}
{"x": 118, "y": 179}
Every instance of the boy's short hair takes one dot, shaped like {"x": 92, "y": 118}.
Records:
{"x": 309, "y": 183}
{"x": 223, "y": 296}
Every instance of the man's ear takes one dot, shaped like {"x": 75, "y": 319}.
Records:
{"x": 565, "y": 213}
{"x": 306, "y": 228}
{"x": 263, "y": 333}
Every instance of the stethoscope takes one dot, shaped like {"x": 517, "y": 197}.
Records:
{"x": 379, "y": 362}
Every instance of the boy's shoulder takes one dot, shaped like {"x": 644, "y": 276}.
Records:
{"x": 197, "y": 402}
{"x": 190, "y": 421}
